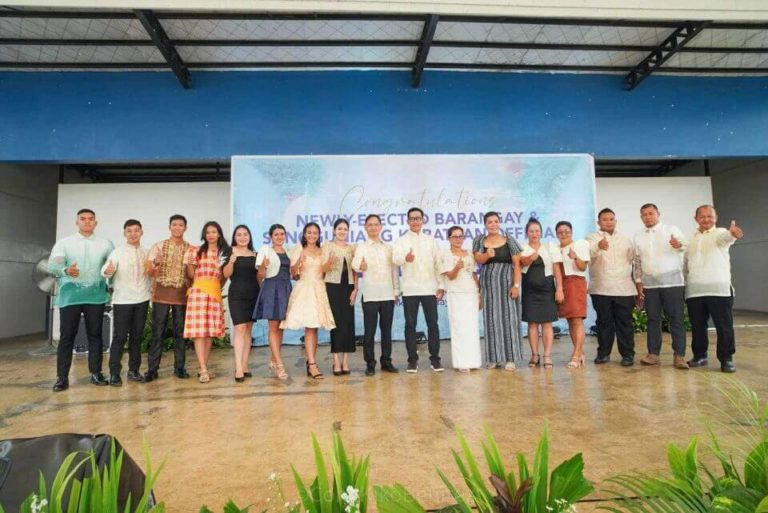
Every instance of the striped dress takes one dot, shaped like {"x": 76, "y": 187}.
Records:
{"x": 501, "y": 314}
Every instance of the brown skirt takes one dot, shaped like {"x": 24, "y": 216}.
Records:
{"x": 575, "y": 304}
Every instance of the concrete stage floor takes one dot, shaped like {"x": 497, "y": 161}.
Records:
{"x": 224, "y": 439}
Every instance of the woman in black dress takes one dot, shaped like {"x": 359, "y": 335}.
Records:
{"x": 542, "y": 289}
{"x": 341, "y": 285}
{"x": 243, "y": 290}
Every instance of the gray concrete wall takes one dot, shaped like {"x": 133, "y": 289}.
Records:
{"x": 28, "y": 196}
{"x": 740, "y": 192}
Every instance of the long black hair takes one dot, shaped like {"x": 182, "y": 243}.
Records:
{"x": 224, "y": 248}
{"x": 250, "y": 237}
{"x": 304, "y": 234}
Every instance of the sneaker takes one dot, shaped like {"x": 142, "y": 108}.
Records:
{"x": 413, "y": 368}
{"x": 650, "y": 359}
{"x": 388, "y": 367}
{"x": 680, "y": 363}
{"x": 436, "y": 366}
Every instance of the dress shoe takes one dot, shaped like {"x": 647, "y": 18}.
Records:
{"x": 602, "y": 359}
{"x": 99, "y": 380}
{"x": 680, "y": 363}
{"x": 60, "y": 385}
{"x": 650, "y": 359}
{"x": 150, "y": 376}
{"x": 728, "y": 366}
{"x": 135, "y": 376}
{"x": 698, "y": 362}
{"x": 627, "y": 362}
{"x": 183, "y": 374}
{"x": 388, "y": 367}
{"x": 370, "y": 371}
{"x": 115, "y": 380}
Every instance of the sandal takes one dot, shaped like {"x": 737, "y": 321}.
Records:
{"x": 576, "y": 362}
{"x": 534, "y": 361}
{"x": 316, "y": 375}
{"x": 203, "y": 376}
{"x": 547, "y": 362}
{"x": 279, "y": 371}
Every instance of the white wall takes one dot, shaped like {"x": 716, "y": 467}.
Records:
{"x": 150, "y": 203}
{"x": 676, "y": 197}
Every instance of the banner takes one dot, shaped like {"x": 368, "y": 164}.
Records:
{"x": 450, "y": 189}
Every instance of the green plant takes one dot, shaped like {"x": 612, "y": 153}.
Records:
{"x": 348, "y": 490}
{"x": 694, "y": 486}
{"x": 531, "y": 491}
{"x": 640, "y": 321}
{"x": 229, "y": 507}
{"x": 168, "y": 343}
{"x": 96, "y": 493}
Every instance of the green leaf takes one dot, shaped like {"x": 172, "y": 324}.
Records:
{"x": 567, "y": 481}
{"x": 395, "y": 499}
{"x": 461, "y": 503}
{"x": 756, "y": 468}
{"x": 538, "y": 494}
{"x": 475, "y": 480}
{"x": 323, "y": 490}
{"x": 761, "y": 508}
{"x": 304, "y": 495}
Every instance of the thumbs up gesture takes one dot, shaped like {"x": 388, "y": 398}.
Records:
{"x": 410, "y": 256}
{"x": 735, "y": 230}
{"x": 572, "y": 254}
{"x": 490, "y": 252}
{"x": 72, "y": 271}
{"x": 329, "y": 263}
{"x": 674, "y": 242}
{"x": 603, "y": 244}
{"x": 459, "y": 264}
{"x": 110, "y": 269}
{"x": 363, "y": 265}
{"x": 265, "y": 262}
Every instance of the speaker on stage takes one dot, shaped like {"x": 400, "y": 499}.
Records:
{"x": 81, "y": 340}
{"x": 23, "y": 459}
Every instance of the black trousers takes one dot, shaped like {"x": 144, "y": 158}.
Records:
{"x": 720, "y": 309}
{"x": 381, "y": 313}
{"x": 127, "y": 320}
{"x": 411, "y": 310}
{"x": 614, "y": 320}
{"x": 672, "y": 301}
{"x": 159, "y": 319}
{"x": 70, "y": 322}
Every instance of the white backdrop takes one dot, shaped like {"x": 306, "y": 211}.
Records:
{"x": 152, "y": 204}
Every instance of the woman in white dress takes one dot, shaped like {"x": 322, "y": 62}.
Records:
{"x": 458, "y": 266}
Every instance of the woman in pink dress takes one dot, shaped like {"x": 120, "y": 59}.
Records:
{"x": 308, "y": 306}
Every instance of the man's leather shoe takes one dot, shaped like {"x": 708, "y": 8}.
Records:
{"x": 115, "y": 380}
{"x": 602, "y": 359}
{"x": 650, "y": 359}
{"x": 370, "y": 371}
{"x": 135, "y": 376}
{"x": 60, "y": 385}
{"x": 99, "y": 380}
{"x": 698, "y": 362}
{"x": 388, "y": 367}
{"x": 728, "y": 366}
{"x": 150, "y": 376}
{"x": 183, "y": 374}
{"x": 627, "y": 362}
{"x": 679, "y": 362}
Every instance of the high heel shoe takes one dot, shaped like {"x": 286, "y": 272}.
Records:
{"x": 240, "y": 379}
{"x": 576, "y": 362}
{"x": 279, "y": 371}
{"x": 316, "y": 375}
{"x": 534, "y": 361}
{"x": 547, "y": 361}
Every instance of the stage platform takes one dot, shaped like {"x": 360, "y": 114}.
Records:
{"x": 224, "y": 439}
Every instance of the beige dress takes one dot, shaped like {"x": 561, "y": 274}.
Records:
{"x": 308, "y": 306}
